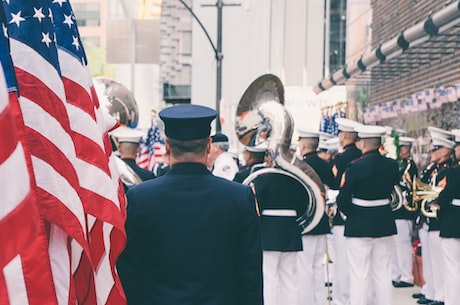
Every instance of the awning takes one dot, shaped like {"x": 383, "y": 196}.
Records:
{"x": 437, "y": 36}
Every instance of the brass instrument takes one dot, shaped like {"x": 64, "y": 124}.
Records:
{"x": 396, "y": 198}
{"x": 117, "y": 101}
{"x": 427, "y": 195}
{"x": 411, "y": 205}
{"x": 261, "y": 117}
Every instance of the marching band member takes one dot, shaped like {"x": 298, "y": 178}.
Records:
{"x": 310, "y": 260}
{"x": 402, "y": 246}
{"x": 255, "y": 158}
{"x": 347, "y": 141}
{"x": 281, "y": 200}
{"x": 365, "y": 189}
{"x": 441, "y": 153}
{"x": 449, "y": 215}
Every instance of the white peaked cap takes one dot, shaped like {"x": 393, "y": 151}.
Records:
{"x": 401, "y": 132}
{"x": 305, "y": 133}
{"x": 439, "y": 142}
{"x": 322, "y": 145}
{"x": 456, "y": 133}
{"x": 125, "y": 134}
{"x": 333, "y": 143}
{"x": 325, "y": 136}
{"x": 370, "y": 131}
{"x": 440, "y": 133}
{"x": 262, "y": 147}
{"x": 406, "y": 141}
{"x": 347, "y": 125}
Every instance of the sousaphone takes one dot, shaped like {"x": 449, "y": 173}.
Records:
{"x": 261, "y": 117}
{"x": 116, "y": 100}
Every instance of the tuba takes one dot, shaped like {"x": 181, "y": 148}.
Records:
{"x": 262, "y": 118}
{"x": 117, "y": 101}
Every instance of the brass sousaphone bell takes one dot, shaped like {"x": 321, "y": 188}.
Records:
{"x": 117, "y": 101}
{"x": 262, "y": 118}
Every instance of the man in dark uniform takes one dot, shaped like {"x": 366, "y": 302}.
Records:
{"x": 441, "y": 155}
{"x": 192, "y": 238}
{"x": 255, "y": 159}
{"x": 310, "y": 260}
{"x": 364, "y": 197}
{"x": 449, "y": 216}
{"x": 347, "y": 141}
{"x": 281, "y": 200}
{"x": 402, "y": 275}
{"x": 128, "y": 146}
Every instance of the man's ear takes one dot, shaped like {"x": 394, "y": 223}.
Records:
{"x": 208, "y": 146}
{"x": 167, "y": 147}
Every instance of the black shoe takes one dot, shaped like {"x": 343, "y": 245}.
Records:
{"x": 402, "y": 284}
{"x": 436, "y": 303}
{"x": 418, "y": 295}
{"x": 424, "y": 301}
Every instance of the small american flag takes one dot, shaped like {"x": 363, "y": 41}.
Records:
{"x": 151, "y": 148}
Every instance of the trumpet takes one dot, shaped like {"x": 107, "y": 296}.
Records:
{"x": 426, "y": 194}
{"x": 411, "y": 184}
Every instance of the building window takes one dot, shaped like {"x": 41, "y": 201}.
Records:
{"x": 88, "y": 14}
{"x": 337, "y": 35}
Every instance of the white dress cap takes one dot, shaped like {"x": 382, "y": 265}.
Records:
{"x": 305, "y": 133}
{"x": 406, "y": 141}
{"x": 262, "y": 147}
{"x": 439, "y": 142}
{"x": 333, "y": 143}
{"x": 125, "y": 134}
{"x": 440, "y": 133}
{"x": 322, "y": 145}
{"x": 456, "y": 133}
{"x": 324, "y": 136}
{"x": 370, "y": 131}
{"x": 401, "y": 132}
{"x": 346, "y": 125}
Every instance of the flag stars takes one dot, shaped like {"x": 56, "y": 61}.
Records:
{"x": 46, "y": 39}
{"x": 39, "y": 14}
{"x": 5, "y": 30}
{"x": 76, "y": 43}
{"x": 59, "y": 2}
{"x": 68, "y": 20}
{"x": 16, "y": 18}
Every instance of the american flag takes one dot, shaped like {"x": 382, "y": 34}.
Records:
{"x": 151, "y": 148}
{"x": 70, "y": 153}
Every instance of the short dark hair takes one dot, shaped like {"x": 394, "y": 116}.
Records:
{"x": 182, "y": 147}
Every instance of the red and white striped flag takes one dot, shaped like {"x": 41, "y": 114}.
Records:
{"x": 76, "y": 181}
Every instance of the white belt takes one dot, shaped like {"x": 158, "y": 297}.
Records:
{"x": 456, "y": 202}
{"x": 370, "y": 203}
{"x": 279, "y": 212}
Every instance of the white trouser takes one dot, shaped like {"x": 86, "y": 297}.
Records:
{"x": 427, "y": 288}
{"x": 437, "y": 264}
{"x": 280, "y": 274}
{"x": 451, "y": 253}
{"x": 402, "y": 252}
{"x": 310, "y": 269}
{"x": 370, "y": 270}
{"x": 341, "y": 283}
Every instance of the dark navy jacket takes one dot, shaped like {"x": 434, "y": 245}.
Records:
{"x": 280, "y": 192}
{"x": 246, "y": 171}
{"x": 370, "y": 177}
{"x": 439, "y": 174}
{"x": 192, "y": 239}
{"x": 339, "y": 165}
{"x": 323, "y": 169}
{"x": 449, "y": 214}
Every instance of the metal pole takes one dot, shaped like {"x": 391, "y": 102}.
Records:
{"x": 219, "y": 58}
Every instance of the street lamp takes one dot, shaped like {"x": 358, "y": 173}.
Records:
{"x": 217, "y": 51}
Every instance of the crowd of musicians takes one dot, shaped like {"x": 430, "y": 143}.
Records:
{"x": 368, "y": 238}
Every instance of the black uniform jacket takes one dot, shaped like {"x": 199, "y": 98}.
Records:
{"x": 339, "y": 165}
{"x": 370, "y": 177}
{"x": 411, "y": 167}
{"x": 246, "y": 171}
{"x": 449, "y": 214}
{"x": 192, "y": 239}
{"x": 439, "y": 174}
{"x": 323, "y": 169}
{"x": 142, "y": 173}
{"x": 278, "y": 192}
